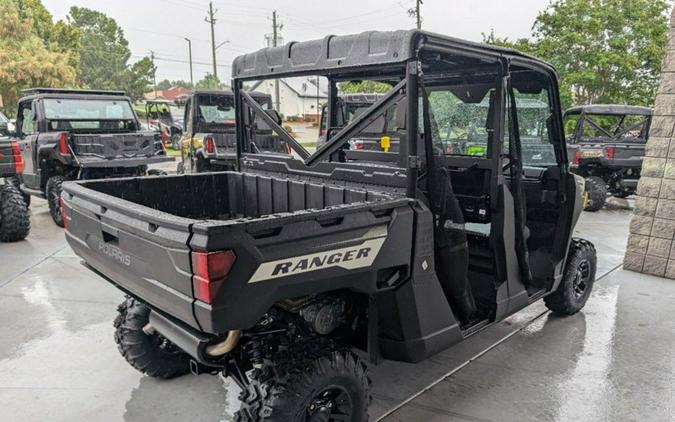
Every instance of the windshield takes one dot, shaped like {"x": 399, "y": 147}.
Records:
{"x": 66, "y": 109}
{"x": 623, "y": 127}
{"x": 216, "y": 109}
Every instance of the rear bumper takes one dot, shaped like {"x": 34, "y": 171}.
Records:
{"x": 123, "y": 162}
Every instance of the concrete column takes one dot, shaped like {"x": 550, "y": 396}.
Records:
{"x": 651, "y": 246}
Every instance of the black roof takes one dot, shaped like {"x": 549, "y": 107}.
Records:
{"x": 333, "y": 53}
{"x": 610, "y": 109}
{"x": 36, "y": 91}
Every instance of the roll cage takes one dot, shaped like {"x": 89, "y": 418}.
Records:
{"x": 407, "y": 61}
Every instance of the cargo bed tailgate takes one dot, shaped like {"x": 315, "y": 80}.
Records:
{"x": 141, "y": 250}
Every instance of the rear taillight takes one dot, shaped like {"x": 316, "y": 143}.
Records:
{"x": 359, "y": 145}
{"x": 577, "y": 157}
{"x": 19, "y": 164}
{"x": 210, "y": 270}
{"x": 609, "y": 152}
{"x": 63, "y": 144}
{"x": 210, "y": 145}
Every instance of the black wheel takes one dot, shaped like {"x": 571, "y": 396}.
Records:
{"x": 14, "y": 181}
{"x": 597, "y": 193}
{"x": 175, "y": 141}
{"x": 578, "y": 279}
{"x": 180, "y": 168}
{"x": 14, "y": 218}
{"x": 157, "y": 172}
{"x": 332, "y": 385}
{"x": 53, "y": 190}
{"x": 623, "y": 194}
{"x": 151, "y": 354}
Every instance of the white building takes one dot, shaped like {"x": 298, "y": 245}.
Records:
{"x": 298, "y": 97}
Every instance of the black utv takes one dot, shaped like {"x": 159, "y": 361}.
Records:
{"x": 606, "y": 145}
{"x": 209, "y": 141}
{"x": 78, "y": 135}
{"x": 289, "y": 272}
{"x": 14, "y": 217}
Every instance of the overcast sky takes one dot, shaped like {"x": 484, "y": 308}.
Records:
{"x": 162, "y": 25}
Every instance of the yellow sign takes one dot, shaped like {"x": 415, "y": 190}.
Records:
{"x": 385, "y": 143}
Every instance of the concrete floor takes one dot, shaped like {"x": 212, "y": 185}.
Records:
{"x": 613, "y": 361}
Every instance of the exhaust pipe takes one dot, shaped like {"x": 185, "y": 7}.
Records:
{"x": 225, "y": 346}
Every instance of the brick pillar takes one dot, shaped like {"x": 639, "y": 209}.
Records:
{"x": 651, "y": 249}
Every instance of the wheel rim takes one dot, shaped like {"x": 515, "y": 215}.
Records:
{"x": 581, "y": 278}
{"x": 332, "y": 404}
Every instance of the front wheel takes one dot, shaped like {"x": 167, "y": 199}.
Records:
{"x": 303, "y": 387}
{"x": 578, "y": 279}
{"x": 151, "y": 354}
{"x": 14, "y": 217}
{"x": 596, "y": 188}
{"x": 53, "y": 191}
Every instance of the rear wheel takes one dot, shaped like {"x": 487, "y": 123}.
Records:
{"x": 578, "y": 279}
{"x": 306, "y": 386}
{"x": 597, "y": 193}
{"x": 14, "y": 217}
{"x": 151, "y": 354}
{"x": 53, "y": 191}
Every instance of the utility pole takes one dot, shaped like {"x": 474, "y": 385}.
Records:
{"x": 275, "y": 36}
{"x": 415, "y": 12}
{"x": 190, "y": 53}
{"x": 154, "y": 72}
{"x": 212, "y": 20}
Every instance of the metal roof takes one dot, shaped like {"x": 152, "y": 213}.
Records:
{"x": 334, "y": 53}
{"x": 610, "y": 109}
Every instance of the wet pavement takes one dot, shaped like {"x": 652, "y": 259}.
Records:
{"x": 613, "y": 361}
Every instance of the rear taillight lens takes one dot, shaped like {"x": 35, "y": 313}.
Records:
{"x": 19, "y": 164}
{"x": 609, "y": 152}
{"x": 210, "y": 145}
{"x": 63, "y": 144}
{"x": 210, "y": 270}
{"x": 577, "y": 157}
{"x": 359, "y": 145}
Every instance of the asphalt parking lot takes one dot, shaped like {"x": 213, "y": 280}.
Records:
{"x": 613, "y": 361}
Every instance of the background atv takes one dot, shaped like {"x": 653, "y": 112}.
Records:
{"x": 76, "y": 135}
{"x": 159, "y": 114}
{"x": 14, "y": 218}
{"x": 606, "y": 145}
{"x": 209, "y": 142}
{"x": 277, "y": 273}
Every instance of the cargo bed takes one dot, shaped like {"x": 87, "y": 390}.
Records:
{"x": 141, "y": 238}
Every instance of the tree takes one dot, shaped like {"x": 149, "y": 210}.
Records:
{"x": 606, "y": 51}
{"x": 27, "y": 59}
{"x": 138, "y": 78}
{"x": 166, "y": 84}
{"x": 354, "y": 87}
{"x": 104, "y": 51}
{"x": 209, "y": 82}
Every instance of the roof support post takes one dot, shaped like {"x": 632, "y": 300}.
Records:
{"x": 409, "y": 149}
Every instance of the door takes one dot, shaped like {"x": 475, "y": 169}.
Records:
{"x": 26, "y": 129}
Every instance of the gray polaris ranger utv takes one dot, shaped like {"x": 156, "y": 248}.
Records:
{"x": 606, "y": 145}
{"x": 14, "y": 217}
{"x": 288, "y": 273}
{"x": 69, "y": 134}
